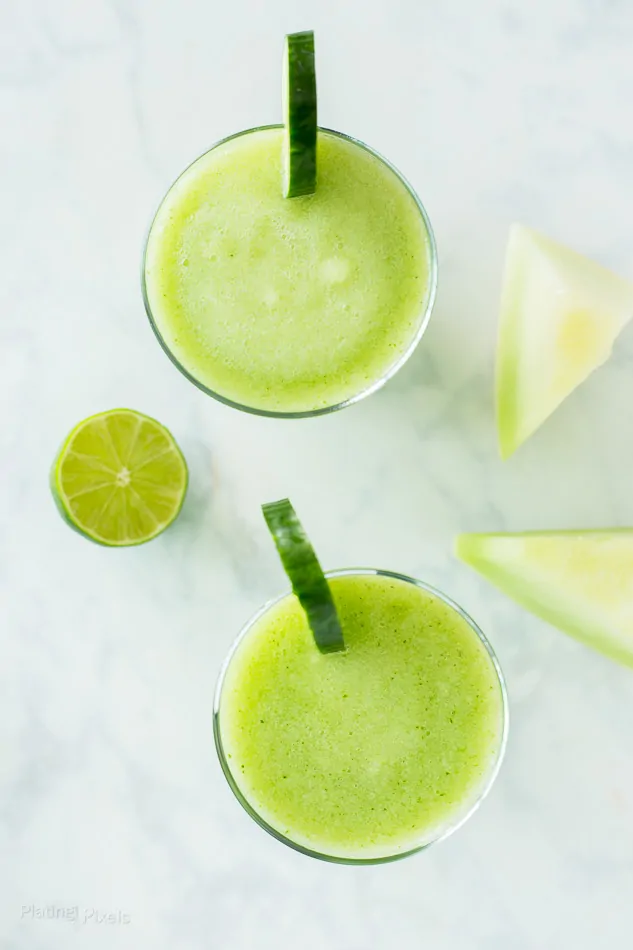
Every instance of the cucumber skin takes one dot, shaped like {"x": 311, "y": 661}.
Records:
{"x": 301, "y": 120}
{"x": 309, "y": 583}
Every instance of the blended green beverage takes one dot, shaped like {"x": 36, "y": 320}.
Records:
{"x": 289, "y": 305}
{"x": 374, "y": 752}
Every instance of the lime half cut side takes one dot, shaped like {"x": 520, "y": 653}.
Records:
{"x": 119, "y": 478}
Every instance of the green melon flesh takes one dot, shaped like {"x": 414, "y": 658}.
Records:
{"x": 560, "y": 315}
{"x": 580, "y": 581}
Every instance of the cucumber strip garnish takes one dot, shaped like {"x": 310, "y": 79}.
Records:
{"x": 300, "y": 116}
{"x": 306, "y": 576}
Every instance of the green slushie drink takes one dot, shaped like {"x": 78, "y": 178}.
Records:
{"x": 374, "y": 752}
{"x": 283, "y": 305}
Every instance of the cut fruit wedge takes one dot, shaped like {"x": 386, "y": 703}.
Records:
{"x": 560, "y": 315}
{"x": 580, "y": 581}
{"x": 119, "y": 478}
{"x": 300, "y": 116}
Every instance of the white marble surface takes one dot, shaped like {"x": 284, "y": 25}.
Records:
{"x": 110, "y": 795}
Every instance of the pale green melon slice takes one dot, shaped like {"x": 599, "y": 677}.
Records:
{"x": 560, "y": 315}
{"x": 580, "y": 581}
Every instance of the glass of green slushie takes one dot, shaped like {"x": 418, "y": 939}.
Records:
{"x": 289, "y": 307}
{"x": 371, "y": 754}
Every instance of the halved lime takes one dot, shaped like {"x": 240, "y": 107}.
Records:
{"x": 119, "y": 478}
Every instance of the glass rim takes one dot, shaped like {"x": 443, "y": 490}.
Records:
{"x": 391, "y": 371}
{"x": 461, "y": 817}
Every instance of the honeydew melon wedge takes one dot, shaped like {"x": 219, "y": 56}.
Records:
{"x": 560, "y": 315}
{"x": 579, "y": 581}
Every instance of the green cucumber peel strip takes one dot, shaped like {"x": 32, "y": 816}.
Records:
{"x": 308, "y": 581}
{"x": 300, "y": 116}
